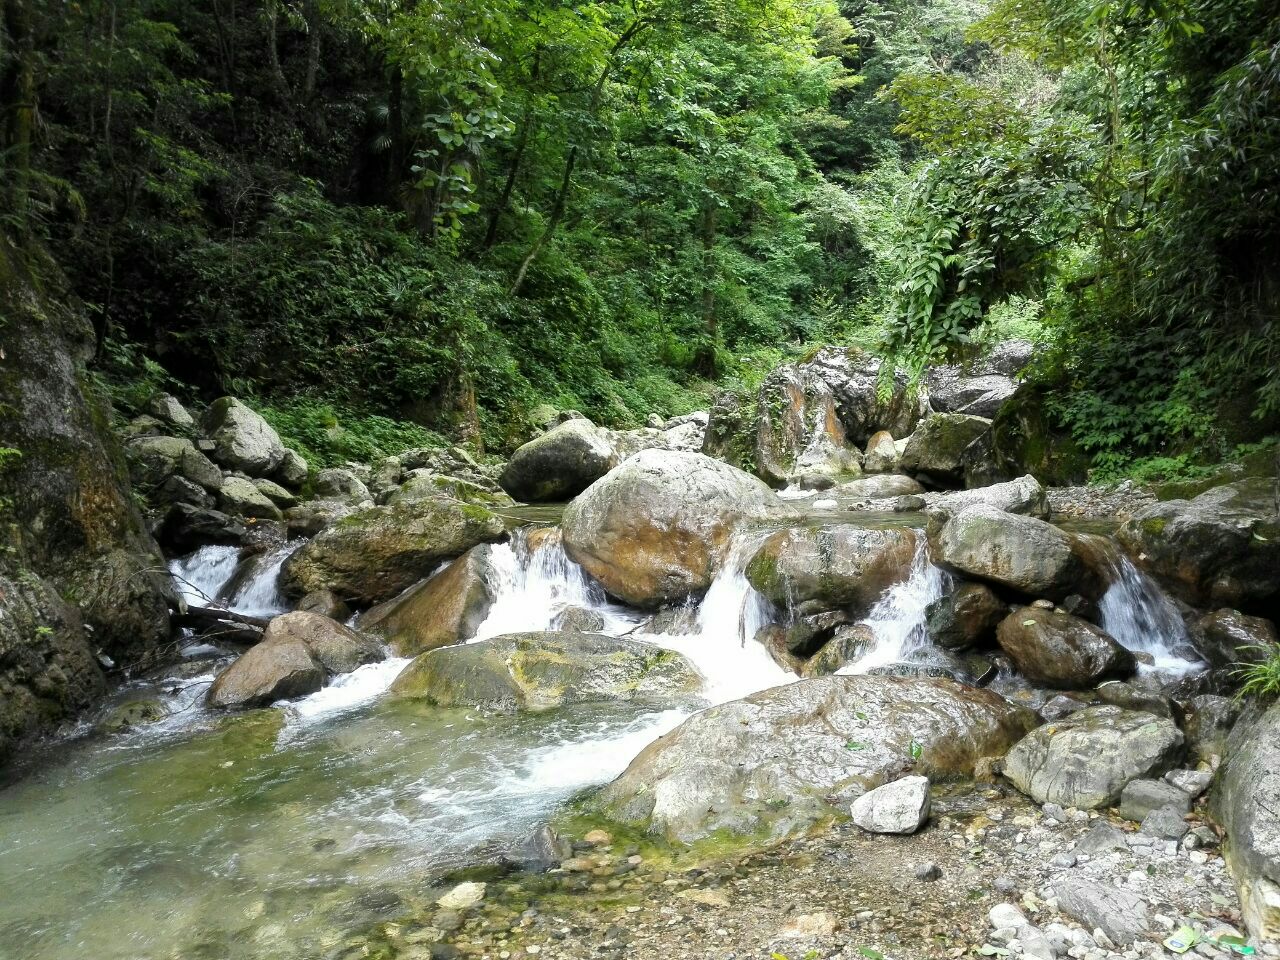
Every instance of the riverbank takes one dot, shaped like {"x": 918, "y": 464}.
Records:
{"x": 841, "y": 892}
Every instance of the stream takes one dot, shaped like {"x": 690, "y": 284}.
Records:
{"x": 282, "y": 832}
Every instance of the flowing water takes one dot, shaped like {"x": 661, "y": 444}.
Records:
{"x": 1142, "y": 618}
{"x": 281, "y": 832}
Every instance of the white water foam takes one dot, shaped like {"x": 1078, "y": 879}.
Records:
{"x": 1142, "y": 618}
{"x": 260, "y": 595}
{"x": 201, "y": 576}
{"x": 898, "y": 618}
{"x": 533, "y": 585}
{"x": 723, "y": 647}
{"x": 347, "y": 691}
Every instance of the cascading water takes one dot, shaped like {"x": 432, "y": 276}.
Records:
{"x": 723, "y": 645}
{"x": 533, "y": 584}
{"x": 201, "y": 576}
{"x": 259, "y": 595}
{"x": 1142, "y": 618}
{"x": 897, "y": 620}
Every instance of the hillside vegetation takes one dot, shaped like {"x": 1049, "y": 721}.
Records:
{"x": 429, "y": 218}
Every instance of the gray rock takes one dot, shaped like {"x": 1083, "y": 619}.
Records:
{"x": 169, "y": 409}
{"x": 1191, "y": 782}
{"x": 242, "y": 440}
{"x": 267, "y": 673}
{"x": 1024, "y": 496}
{"x": 1141, "y": 797}
{"x": 842, "y": 565}
{"x": 966, "y": 617}
{"x": 275, "y": 493}
{"x": 240, "y": 496}
{"x": 1021, "y": 553}
{"x": 561, "y": 463}
{"x": 310, "y": 517}
{"x": 928, "y": 872}
{"x": 1121, "y": 915}
{"x": 336, "y": 648}
{"x": 1133, "y": 697}
{"x": 292, "y": 470}
{"x": 337, "y": 483}
{"x": 782, "y": 755}
{"x": 1166, "y": 823}
{"x": 1246, "y": 802}
{"x": 1060, "y": 707}
{"x": 374, "y": 553}
{"x": 898, "y": 807}
{"x": 1221, "y": 548}
{"x": 951, "y": 391}
{"x": 1102, "y": 838}
{"x": 1208, "y": 720}
{"x": 154, "y": 459}
{"x": 1229, "y": 637}
{"x": 877, "y": 487}
{"x": 657, "y": 528}
{"x": 881, "y": 454}
{"x": 181, "y": 490}
{"x": 1086, "y": 760}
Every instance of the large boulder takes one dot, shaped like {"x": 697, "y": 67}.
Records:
{"x": 966, "y": 617}
{"x": 266, "y": 673}
{"x": 1220, "y": 549}
{"x": 1246, "y": 801}
{"x": 1021, "y": 553}
{"x": 1059, "y": 650}
{"x": 297, "y": 651}
{"x": 443, "y": 610}
{"x": 375, "y": 553}
{"x": 730, "y": 434}
{"x": 656, "y": 528}
{"x": 798, "y": 432}
{"x": 541, "y": 671}
{"x": 901, "y": 806}
{"x": 423, "y": 484}
{"x": 1087, "y": 759}
{"x": 781, "y": 757}
{"x": 935, "y": 451}
{"x": 867, "y": 401}
{"x": 981, "y": 386}
{"x": 841, "y": 566}
{"x": 242, "y": 440}
{"x": 337, "y": 648}
{"x": 881, "y": 454}
{"x": 339, "y": 483}
{"x": 561, "y": 463}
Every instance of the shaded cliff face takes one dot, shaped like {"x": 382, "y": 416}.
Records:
{"x": 79, "y": 574}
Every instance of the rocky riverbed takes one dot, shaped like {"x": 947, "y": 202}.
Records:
{"x": 991, "y": 874}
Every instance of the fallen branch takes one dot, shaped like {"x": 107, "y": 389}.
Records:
{"x": 201, "y": 617}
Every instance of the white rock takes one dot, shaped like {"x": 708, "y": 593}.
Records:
{"x": 898, "y": 807}
{"x": 463, "y": 896}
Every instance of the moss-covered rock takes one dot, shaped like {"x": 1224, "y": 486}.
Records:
{"x": 1023, "y": 439}
{"x": 935, "y": 451}
{"x": 1220, "y": 549}
{"x": 541, "y": 671}
{"x": 374, "y": 553}
{"x": 561, "y": 463}
{"x": 242, "y": 497}
{"x": 840, "y": 566}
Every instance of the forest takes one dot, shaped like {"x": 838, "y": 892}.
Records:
{"x": 393, "y": 221}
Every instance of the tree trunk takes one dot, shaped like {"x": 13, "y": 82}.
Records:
{"x": 566, "y": 180}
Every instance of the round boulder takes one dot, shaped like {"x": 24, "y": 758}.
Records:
{"x": 1021, "y": 553}
{"x": 935, "y": 451}
{"x": 781, "y": 757}
{"x": 966, "y": 617}
{"x": 560, "y": 464}
{"x": 1062, "y": 651}
{"x": 656, "y": 528}
{"x": 242, "y": 440}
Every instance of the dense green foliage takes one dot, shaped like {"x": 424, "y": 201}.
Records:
{"x": 449, "y": 214}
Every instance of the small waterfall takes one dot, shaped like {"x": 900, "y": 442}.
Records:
{"x": 533, "y": 583}
{"x": 259, "y": 593}
{"x": 723, "y": 647}
{"x": 898, "y": 618}
{"x": 201, "y": 576}
{"x": 1142, "y": 618}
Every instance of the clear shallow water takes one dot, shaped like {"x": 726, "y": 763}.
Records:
{"x": 267, "y": 837}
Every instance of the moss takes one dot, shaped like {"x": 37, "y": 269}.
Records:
{"x": 1154, "y": 526}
